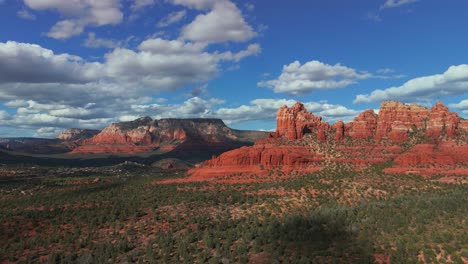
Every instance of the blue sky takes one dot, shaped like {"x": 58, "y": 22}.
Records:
{"x": 84, "y": 63}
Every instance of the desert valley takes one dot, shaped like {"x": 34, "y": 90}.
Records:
{"x": 233, "y": 131}
{"x": 386, "y": 188}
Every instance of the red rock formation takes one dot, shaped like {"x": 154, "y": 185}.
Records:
{"x": 266, "y": 156}
{"x": 145, "y": 134}
{"x": 364, "y": 125}
{"x": 384, "y": 134}
{"x": 442, "y": 121}
{"x": 400, "y": 118}
{"x": 397, "y": 119}
{"x": 339, "y": 130}
{"x": 77, "y": 134}
{"x": 463, "y": 125}
{"x": 294, "y": 122}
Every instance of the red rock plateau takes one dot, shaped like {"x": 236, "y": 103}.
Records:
{"x": 178, "y": 135}
{"x": 77, "y": 134}
{"x": 412, "y": 138}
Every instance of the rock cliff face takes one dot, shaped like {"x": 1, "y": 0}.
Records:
{"x": 294, "y": 122}
{"x": 397, "y": 119}
{"x": 441, "y": 121}
{"x": 363, "y": 126}
{"x": 145, "y": 134}
{"x": 397, "y": 133}
{"x": 77, "y": 134}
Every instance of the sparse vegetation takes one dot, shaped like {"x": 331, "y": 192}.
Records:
{"x": 333, "y": 216}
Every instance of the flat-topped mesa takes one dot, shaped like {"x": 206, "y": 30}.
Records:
{"x": 145, "y": 134}
{"x": 137, "y": 132}
{"x": 295, "y": 122}
{"x": 77, "y": 134}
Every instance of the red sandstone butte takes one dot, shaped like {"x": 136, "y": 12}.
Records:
{"x": 294, "y": 122}
{"x": 387, "y": 137}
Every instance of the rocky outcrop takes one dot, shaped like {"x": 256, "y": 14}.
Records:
{"x": 442, "y": 121}
{"x": 363, "y": 126}
{"x": 339, "y": 128}
{"x": 262, "y": 155}
{"x": 294, "y": 122}
{"x": 145, "y": 134}
{"x": 369, "y": 139}
{"x": 397, "y": 119}
{"x": 77, "y": 134}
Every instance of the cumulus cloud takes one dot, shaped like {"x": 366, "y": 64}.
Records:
{"x": 454, "y": 81}
{"x": 396, "y": 3}
{"x": 62, "y": 90}
{"x": 252, "y": 49}
{"x": 297, "y": 78}
{"x": 47, "y": 132}
{"x": 223, "y": 23}
{"x": 172, "y": 18}
{"x": 79, "y": 14}
{"x": 30, "y": 63}
{"x": 461, "y": 106}
{"x": 157, "y": 64}
{"x": 265, "y": 109}
{"x": 4, "y": 115}
{"x": 25, "y": 14}
{"x": 94, "y": 42}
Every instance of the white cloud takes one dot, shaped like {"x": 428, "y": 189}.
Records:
{"x": 196, "y": 4}
{"x": 265, "y": 109}
{"x": 48, "y": 132}
{"x": 461, "y": 106}
{"x": 300, "y": 79}
{"x": 139, "y": 4}
{"x": 454, "y": 81}
{"x": 62, "y": 90}
{"x": 252, "y": 50}
{"x": 79, "y": 14}
{"x": 223, "y": 23}
{"x": 172, "y": 18}
{"x": 4, "y": 115}
{"x": 30, "y": 63}
{"x": 158, "y": 64}
{"x": 396, "y": 3}
{"x": 25, "y": 14}
{"x": 92, "y": 41}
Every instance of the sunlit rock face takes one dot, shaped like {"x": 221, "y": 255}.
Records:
{"x": 303, "y": 141}
{"x": 145, "y": 134}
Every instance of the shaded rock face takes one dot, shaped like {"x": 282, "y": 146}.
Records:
{"x": 77, "y": 134}
{"x": 145, "y": 134}
{"x": 302, "y": 140}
